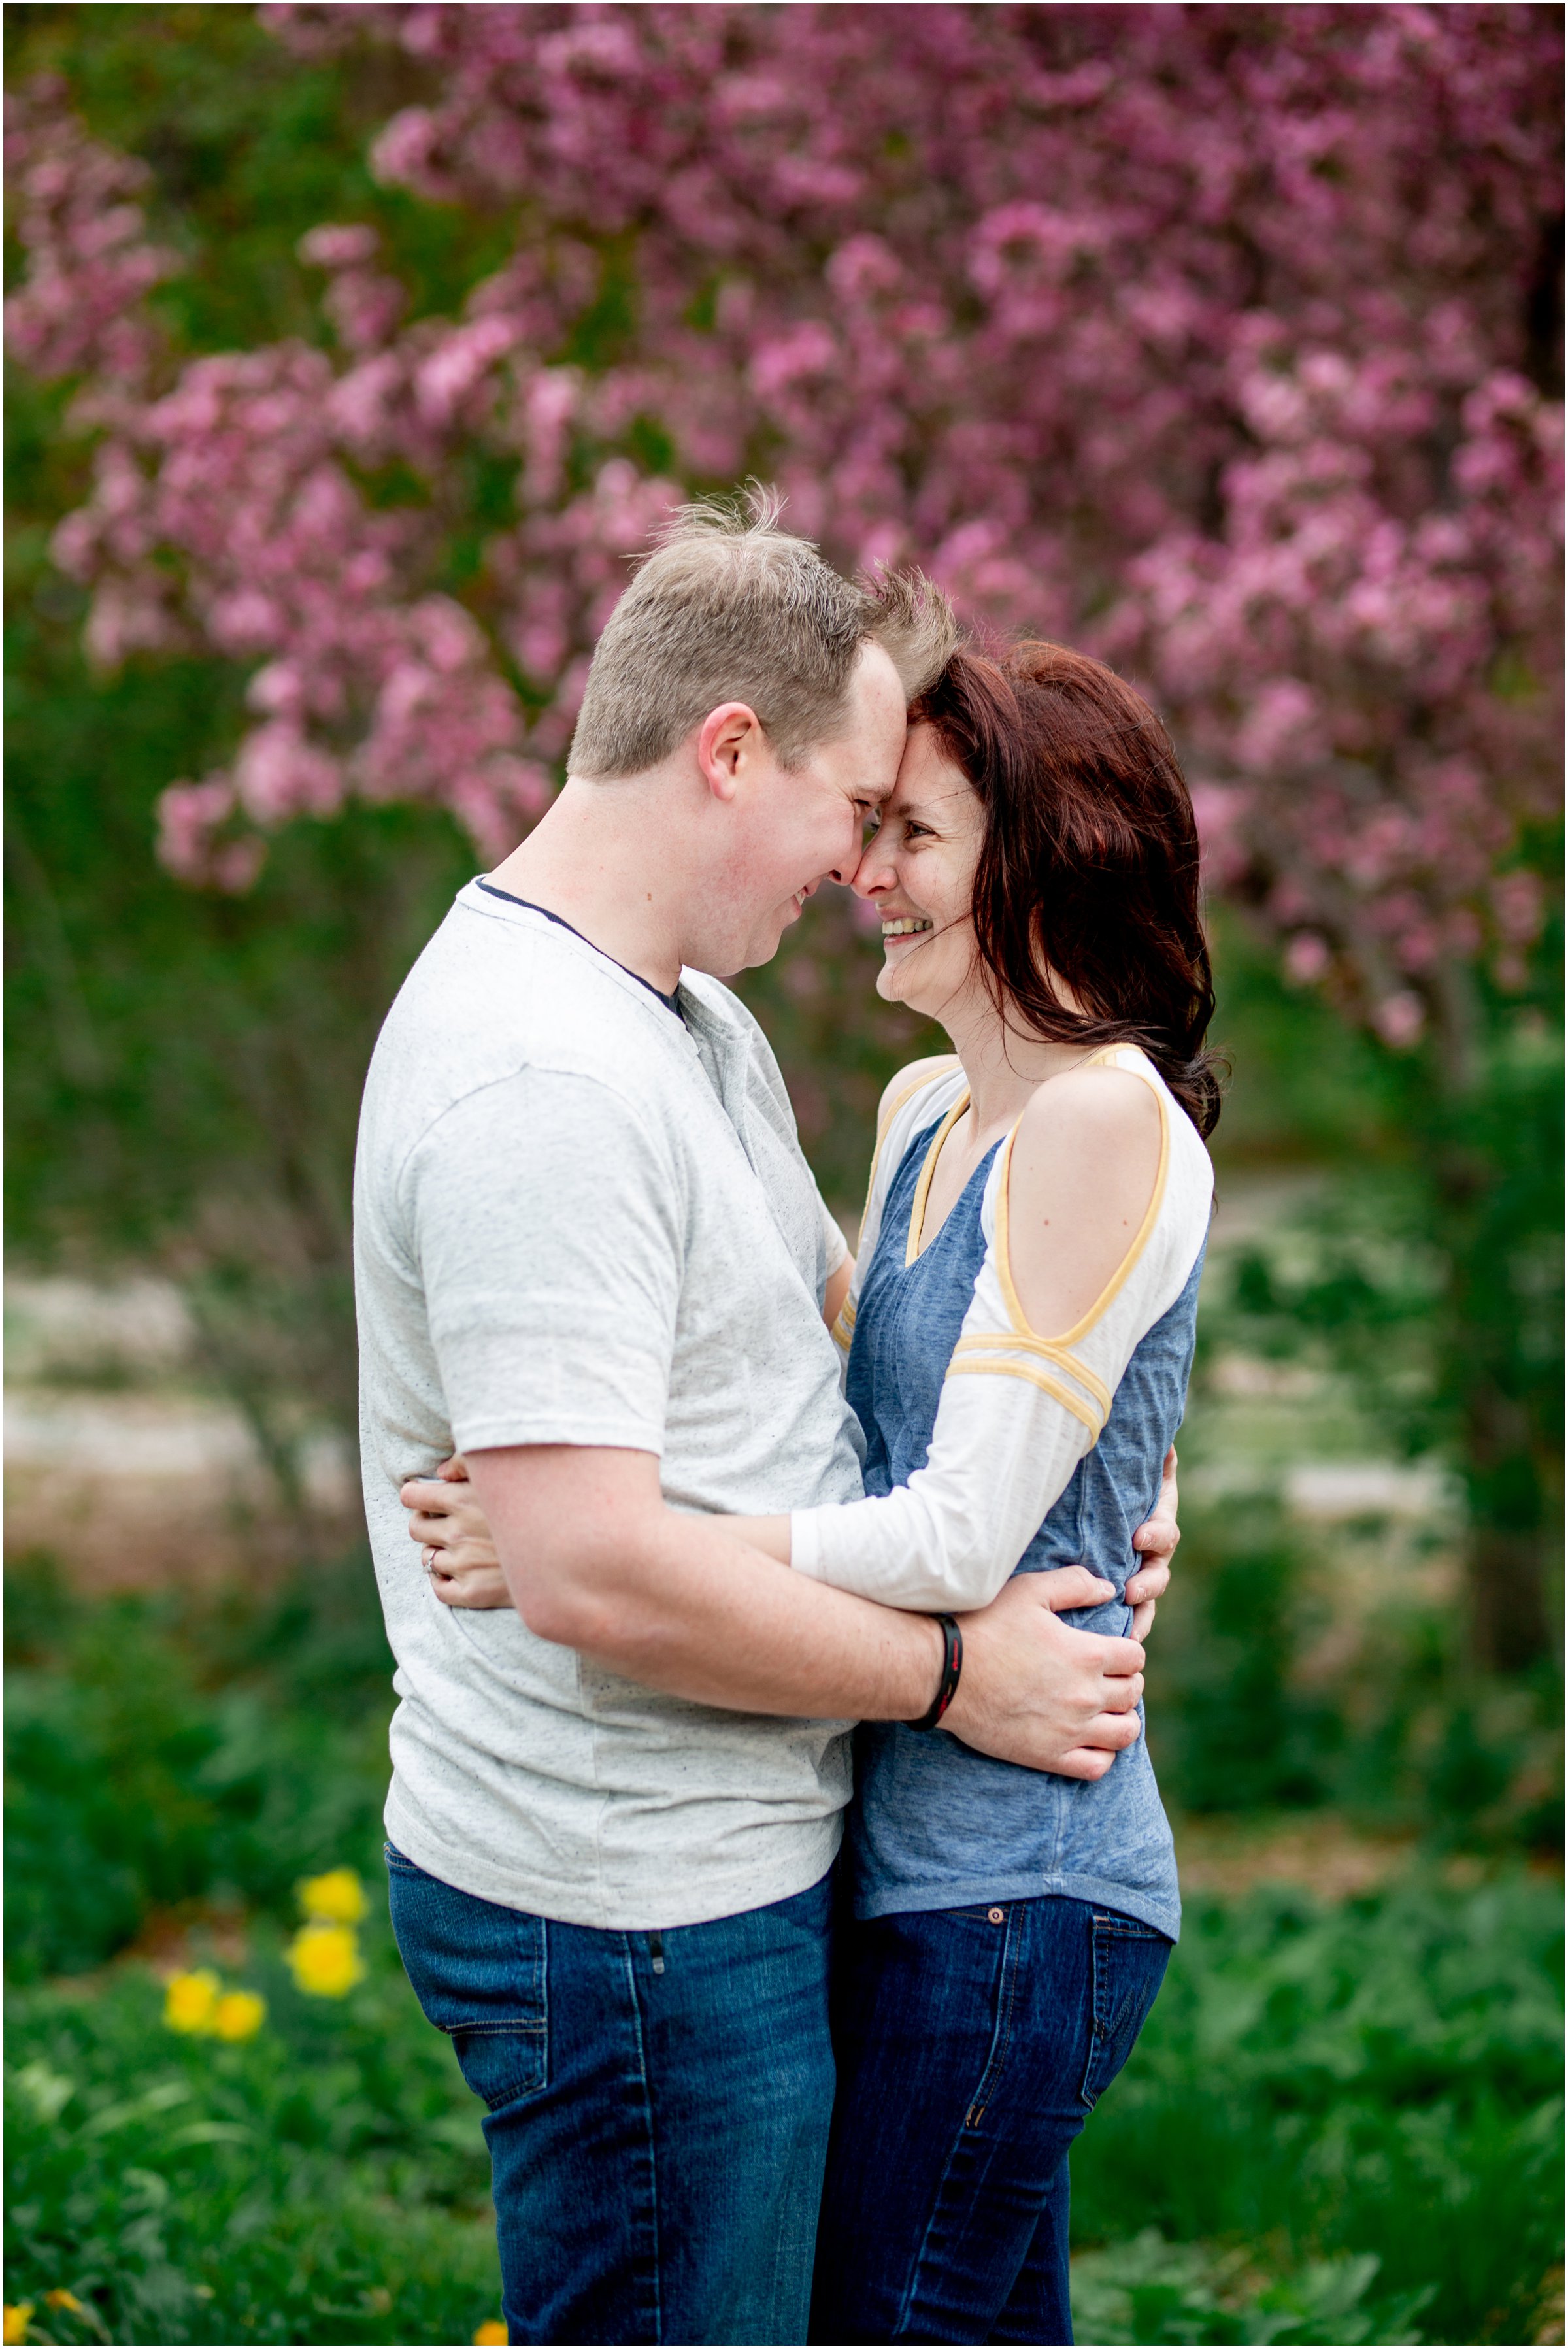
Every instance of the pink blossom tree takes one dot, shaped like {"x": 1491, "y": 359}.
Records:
{"x": 1209, "y": 337}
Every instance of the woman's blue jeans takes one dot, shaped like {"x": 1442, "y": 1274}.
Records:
{"x": 972, "y": 2044}
{"x": 658, "y": 2108}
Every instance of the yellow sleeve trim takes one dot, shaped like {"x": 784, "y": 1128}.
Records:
{"x": 1081, "y": 1410}
{"x": 922, "y": 1188}
{"x": 1140, "y": 1238}
{"x": 886, "y": 1127}
{"x": 843, "y": 1329}
{"x": 990, "y": 1342}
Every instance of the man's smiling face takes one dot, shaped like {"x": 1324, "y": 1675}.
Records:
{"x": 806, "y": 824}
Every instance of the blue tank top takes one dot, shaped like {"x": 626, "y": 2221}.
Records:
{"x": 934, "y": 1825}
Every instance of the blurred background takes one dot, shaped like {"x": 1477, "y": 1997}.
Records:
{"x": 352, "y": 350}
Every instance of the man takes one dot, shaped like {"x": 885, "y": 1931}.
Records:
{"x": 590, "y": 1255}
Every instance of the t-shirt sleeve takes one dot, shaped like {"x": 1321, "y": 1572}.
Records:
{"x": 548, "y": 1228}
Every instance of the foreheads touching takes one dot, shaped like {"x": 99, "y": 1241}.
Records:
{"x": 730, "y": 608}
{"x": 770, "y": 693}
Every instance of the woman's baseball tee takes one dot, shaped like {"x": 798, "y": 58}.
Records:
{"x": 992, "y": 1448}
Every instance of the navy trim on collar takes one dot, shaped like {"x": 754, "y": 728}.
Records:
{"x": 670, "y": 1002}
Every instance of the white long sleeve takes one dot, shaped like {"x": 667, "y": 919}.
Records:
{"x": 1018, "y": 1411}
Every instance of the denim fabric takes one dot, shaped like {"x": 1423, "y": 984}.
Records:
{"x": 935, "y": 1825}
{"x": 658, "y": 2103}
{"x": 972, "y": 2043}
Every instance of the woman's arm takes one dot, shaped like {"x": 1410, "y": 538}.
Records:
{"x": 460, "y": 1554}
{"x": 1090, "y": 1241}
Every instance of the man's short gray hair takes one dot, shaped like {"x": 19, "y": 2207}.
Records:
{"x": 730, "y": 607}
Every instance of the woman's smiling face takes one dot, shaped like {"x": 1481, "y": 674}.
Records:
{"x": 919, "y": 871}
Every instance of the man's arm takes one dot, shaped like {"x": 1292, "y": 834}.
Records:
{"x": 595, "y": 1561}
{"x": 460, "y": 1554}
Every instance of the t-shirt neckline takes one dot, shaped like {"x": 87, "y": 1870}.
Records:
{"x": 670, "y": 1002}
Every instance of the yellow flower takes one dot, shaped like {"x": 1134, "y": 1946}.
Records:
{"x": 239, "y": 2014}
{"x": 18, "y": 2314}
{"x": 490, "y": 2331}
{"x": 338, "y": 1898}
{"x": 59, "y": 2299}
{"x": 325, "y": 1960}
{"x": 189, "y": 2001}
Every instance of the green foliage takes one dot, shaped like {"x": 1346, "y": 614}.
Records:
{"x": 1234, "y": 1728}
{"x": 1377, "y": 2081}
{"x": 326, "y": 2182}
{"x": 1440, "y": 1259}
{"x": 162, "y": 1757}
{"x": 1428, "y": 1274}
{"x": 1402, "y": 1733}
{"x": 1149, "y": 2290}
{"x": 186, "y": 1069}
{"x": 185, "y": 1764}
{"x": 1340, "y": 2124}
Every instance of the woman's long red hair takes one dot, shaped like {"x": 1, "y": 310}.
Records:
{"x": 1089, "y": 864}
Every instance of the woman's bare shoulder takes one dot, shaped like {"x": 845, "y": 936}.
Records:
{"x": 1083, "y": 1171}
{"x": 1087, "y": 1104}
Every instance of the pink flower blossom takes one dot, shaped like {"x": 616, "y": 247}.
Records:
{"x": 1307, "y": 957}
{"x": 331, "y": 247}
{"x": 1399, "y": 1018}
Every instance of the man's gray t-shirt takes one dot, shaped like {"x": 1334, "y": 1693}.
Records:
{"x": 582, "y": 1219}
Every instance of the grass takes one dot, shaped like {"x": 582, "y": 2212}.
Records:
{"x": 1355, "y": 2105}
{"x": 326, "y": 2182}
{"x": 1341, "y": 2125}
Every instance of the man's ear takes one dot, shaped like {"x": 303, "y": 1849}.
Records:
{"x": 726, "y": 738}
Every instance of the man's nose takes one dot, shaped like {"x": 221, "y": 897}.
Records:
{"x": 873, "y": 873}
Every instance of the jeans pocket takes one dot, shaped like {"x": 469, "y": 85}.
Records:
{"x": 1128, "y": 1963}
{"x": 479, "y": 1973}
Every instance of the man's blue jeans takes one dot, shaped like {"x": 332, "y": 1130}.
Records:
{"x": 972, "y": 2044}
{"x": 658, "y": 2108}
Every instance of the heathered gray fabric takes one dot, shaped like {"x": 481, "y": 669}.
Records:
{"x": 578, "y": 1220}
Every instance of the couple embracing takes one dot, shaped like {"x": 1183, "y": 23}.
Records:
{"x": 724, "y": 1494}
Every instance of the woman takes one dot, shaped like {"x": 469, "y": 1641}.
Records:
{"x": 1036, "y": 871}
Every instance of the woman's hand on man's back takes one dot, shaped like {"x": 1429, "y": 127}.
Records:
{"x": 456, "y": 1545}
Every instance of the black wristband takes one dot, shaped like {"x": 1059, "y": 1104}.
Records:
{"x": 952, "y": 1665}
